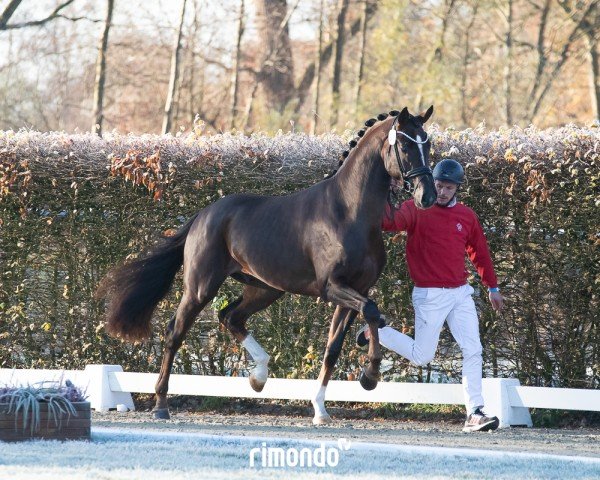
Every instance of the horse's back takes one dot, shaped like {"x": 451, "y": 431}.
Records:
{"x": 290, "y": 242}
{"x": 262, "y": 236}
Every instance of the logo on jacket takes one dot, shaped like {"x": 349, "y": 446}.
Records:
{"x": 459, "y": 227}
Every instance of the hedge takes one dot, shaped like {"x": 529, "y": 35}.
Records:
{"x": 73, "y": 205}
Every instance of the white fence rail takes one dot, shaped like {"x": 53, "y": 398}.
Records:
{"x": 108, "y": 386}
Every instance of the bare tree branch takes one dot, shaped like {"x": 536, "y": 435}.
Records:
{"x": 590, "y": 22}
{"x": 575, "y": 33}
{"x": 33, "y": 23}
{"x": 8, "y": 12}
{"x": 77, "y": 19}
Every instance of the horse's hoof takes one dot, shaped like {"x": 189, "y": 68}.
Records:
{"x": 256, "y": 385}
{"x": 321, "y": 419}
{"x": 367, "y": 382}
{"x": 161, "y": 413}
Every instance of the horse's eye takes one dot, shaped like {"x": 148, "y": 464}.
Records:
{"x": 404, "y": 149}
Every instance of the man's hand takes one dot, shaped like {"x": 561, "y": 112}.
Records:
{"x": 497, "y": 301}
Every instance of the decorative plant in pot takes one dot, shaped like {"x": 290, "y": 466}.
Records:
{"x": 51, "y": 411}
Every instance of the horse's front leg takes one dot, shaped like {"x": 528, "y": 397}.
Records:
{"x": 340, "y": 323}
{"x": 370, "y": 374}
{"x": 350, "y": 298}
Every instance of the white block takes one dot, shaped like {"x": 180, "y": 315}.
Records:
{"x": 497, "y": 402}
{"x": 101, "y": 397}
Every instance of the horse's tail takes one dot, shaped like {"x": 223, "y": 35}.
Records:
{"x": 133, "y": 289}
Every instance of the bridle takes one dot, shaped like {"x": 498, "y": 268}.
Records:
{"x": 415, "y": 172}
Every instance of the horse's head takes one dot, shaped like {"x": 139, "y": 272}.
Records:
{"x": 406, "y": 156}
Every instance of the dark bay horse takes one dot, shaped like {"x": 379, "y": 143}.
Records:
{"x": 324, "y": 241}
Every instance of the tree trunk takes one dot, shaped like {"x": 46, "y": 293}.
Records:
{"x": 594, "y": 56}
{"x": 309, "y": 74}
{"x": 509, "y": 66}
{"x": 436, "y": 55}
{"x": 101, "y": 72}
{"x": 542, "y": 57}
{"x": 590, "y": 23}
{"x": 361, "y": 61}
{"x": 564, "y": 55}
{"x": 277, "y": 72}
{"x": 266, "y": 66}
{"x": 179, "y": 90}
{"x": 168, "y": 115}
{"x": 337, "y": 65}
{"x": 248, "y": 110}
{"x": 465, "y": 68}
{"x": 315, "y": 112}
{"x": 196, "y": 87}
{"x": 235, "y": 70}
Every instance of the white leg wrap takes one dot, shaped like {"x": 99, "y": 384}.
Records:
{"x": 261, "y": 358}
{"x": 321, "y": 415}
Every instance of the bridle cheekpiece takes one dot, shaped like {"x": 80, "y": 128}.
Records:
{"x": 415, "y": 172}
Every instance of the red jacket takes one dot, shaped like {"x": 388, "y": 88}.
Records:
{"x": 438, "y": 239}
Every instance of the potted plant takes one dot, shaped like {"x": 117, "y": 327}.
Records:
{"x": 49, "y": 410}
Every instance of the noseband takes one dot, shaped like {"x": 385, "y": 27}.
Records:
{"x": 415, "y": 172}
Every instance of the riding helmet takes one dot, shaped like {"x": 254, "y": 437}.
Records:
{"x": 449, "y": 170}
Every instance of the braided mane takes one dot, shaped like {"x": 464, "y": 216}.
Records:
{"x": 352, "y": 143}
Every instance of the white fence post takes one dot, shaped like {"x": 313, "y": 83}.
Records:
{"x": 100, "y": 396}
{"x": 497, "y": 402}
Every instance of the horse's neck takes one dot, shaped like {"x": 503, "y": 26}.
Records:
{"x": 363, "y": 185}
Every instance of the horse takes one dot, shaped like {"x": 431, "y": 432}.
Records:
{"x": 324, "y": 241}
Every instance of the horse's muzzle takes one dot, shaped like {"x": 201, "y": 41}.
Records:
{"x": 425, "y": 194}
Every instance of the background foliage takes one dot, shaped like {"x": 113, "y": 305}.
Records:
{"x": 505, "y": 62}
{"x": 71, "y": 206}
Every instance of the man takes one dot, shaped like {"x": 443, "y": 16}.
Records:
{"x": 438, "y": 239}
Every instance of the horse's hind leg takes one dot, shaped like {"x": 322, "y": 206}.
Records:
{"x": 234, "y": 317}
{"x": 340, "y": 323}
{"x": 192, "y": 303}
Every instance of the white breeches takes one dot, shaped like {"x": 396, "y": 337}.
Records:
{"x": 433, "y": 306}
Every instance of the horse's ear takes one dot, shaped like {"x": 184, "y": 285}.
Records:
{"x": 425, "y": 115}
{"x": 404, "y": 116}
